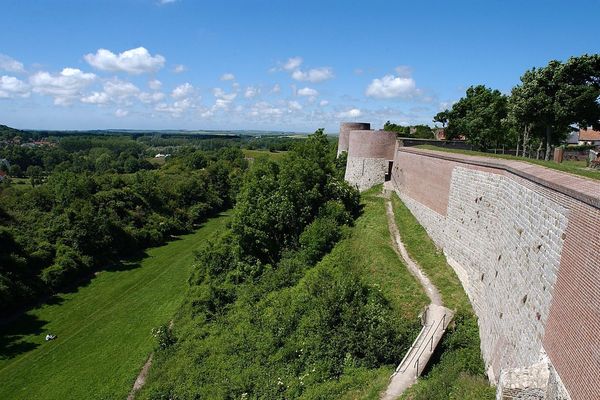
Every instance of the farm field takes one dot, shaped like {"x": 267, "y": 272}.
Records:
{"x": 103, "y": 328}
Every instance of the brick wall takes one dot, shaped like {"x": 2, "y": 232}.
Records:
{"x": 525, "y": 242}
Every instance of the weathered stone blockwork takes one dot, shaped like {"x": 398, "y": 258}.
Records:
{"x": 527, "y": 251}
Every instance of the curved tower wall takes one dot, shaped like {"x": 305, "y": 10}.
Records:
{"x": 369, "y": 155}
{"x": 345, "y": 128}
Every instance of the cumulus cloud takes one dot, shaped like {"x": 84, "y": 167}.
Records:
{"x": 292, "y": 63}
{"x": 313, "y": 75}
{"x": 121, "y": 113}
{"x": 308, "y": 92}
{"x": 264, "y": 109}
{"x": 64, "y": 87}
{"x": 182, "y": 91}
{"x": 179, "y": 68}
{"x": 96, "y": 98}
{"x": 176, "y": 109}
{"x": 323, "y": 103}
{"x": 276, "y": 88}
{"x": 134, "y": 61}
{"x": 151, "y": 97}
{"x": 251, "y": 92}
{"x": 352, "y": 113}
{"x": 227, "y": 77}
{"x": 154, "y": 84}
{"x": 391, "y": 86}
{"x": 12, "y": 87}
{"x": 10, "y": 64}
{"x": 119, "y": 90}
{"x": 294, "y": 105}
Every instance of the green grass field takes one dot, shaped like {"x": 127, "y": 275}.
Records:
{"x": 275, "y": 156}
{"x": 571, "y": 167}
{"x": 103, "y": 328}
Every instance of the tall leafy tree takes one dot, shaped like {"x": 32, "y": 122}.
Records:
{"x": 552, "y": 98}
{"x": 479, "y": 116}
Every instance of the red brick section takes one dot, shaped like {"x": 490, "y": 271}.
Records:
{"x": 432, "y": 190}
{"x": 572, "y": 337}
{"x": 372, "y": 144}
{"x": 572, "y": 333}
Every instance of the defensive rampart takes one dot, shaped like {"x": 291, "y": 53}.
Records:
{"x": 525, "y": 243}
{"x": 369, "y": 155}
{"x": 345, "y": 128}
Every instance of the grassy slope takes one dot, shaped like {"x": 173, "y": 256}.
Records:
{"x": 372, "y": 255}
{"x": 572, "y": 167}
{"x": 103, "y": 329}
{"x": 458, "y": 372}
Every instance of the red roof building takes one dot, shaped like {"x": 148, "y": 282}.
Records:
{"x": 589, "y": 136}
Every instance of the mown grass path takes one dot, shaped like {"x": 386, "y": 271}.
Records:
{"x": 103, "y": 328}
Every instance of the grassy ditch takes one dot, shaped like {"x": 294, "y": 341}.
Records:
{"x": 456, "y": 371}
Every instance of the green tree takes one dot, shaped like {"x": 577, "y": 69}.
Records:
{"x": 479, "y": 117}
{"x": 552, "y": 98}
{"x": 442, "y": 117}
{"x": 15, "y": 170}
{"x": 35, "y": 173}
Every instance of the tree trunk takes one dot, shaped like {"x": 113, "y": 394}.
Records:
{"x": 548, "y": 142}
{"x": 539, "y": 149}
{"x": 525, "y": 150}
{"x": 518, "y": 143}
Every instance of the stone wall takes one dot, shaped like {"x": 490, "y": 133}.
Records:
{"x": 525, "y": 243}
{"x": 365, "y": 173}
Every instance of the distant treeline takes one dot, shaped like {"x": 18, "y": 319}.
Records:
{"x": 93, "y": 200}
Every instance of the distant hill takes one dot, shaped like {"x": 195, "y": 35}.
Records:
{"x": 6, "y": 132}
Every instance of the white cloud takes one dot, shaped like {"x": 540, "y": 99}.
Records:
{"x": 162, "y": 2}
{"x": 176, "y": 109}
{"x": 292, "y": 63}
{"x": 352, "y": 113}
{"x": 227, "y": 77}
{"x": 276, "y": 88}
{"x": 264, "y": 109}
{"x": 251, "y": 92}
{"x": 11, "y": 86}
{"x": 10, "y": 64}
{"x": 96, "y": 98}
{"x": 151, "y": 97}
{"x": 294, "y": 105}
{"x": 134, "y": 61}
{"x": 64, "y": 87}
{"x": 313, "y": 75}
{"x": 182, "y": 91}
{"x": 179, "y": 68}
{"x": 391, "y": 86}
{"x": 308, "y": 92}
{"x": 154, "y": 84}
{"x": 119, "y": 90}
{"x": 121, "y": 113}
{"x": 221, "y": 94}
{"x": 323, "y": 103}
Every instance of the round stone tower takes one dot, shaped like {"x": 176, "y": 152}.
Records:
{"x": 345, "y": 128}
{"x": 370, "y": 157}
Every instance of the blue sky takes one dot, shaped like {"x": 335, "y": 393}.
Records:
{"x": 273, "y": 65}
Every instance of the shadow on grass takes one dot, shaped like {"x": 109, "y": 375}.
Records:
{"x": 11, "y": 336}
